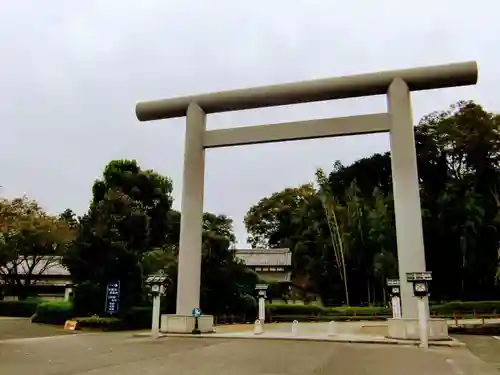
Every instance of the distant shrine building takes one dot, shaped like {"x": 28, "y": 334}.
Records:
{"x": 272, "y": 265}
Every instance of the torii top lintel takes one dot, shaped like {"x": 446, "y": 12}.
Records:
{"x": 423, "y": 78}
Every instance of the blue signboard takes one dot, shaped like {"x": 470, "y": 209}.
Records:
{"x": 196, "y": 312}
{"x": 112, "y": 297}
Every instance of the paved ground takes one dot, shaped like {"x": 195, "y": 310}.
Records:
{"x": 485, "y": 347}
{"x": 29, "y": 348}
{"x": 121, "y": 353}
{"x": 11, "y": 328}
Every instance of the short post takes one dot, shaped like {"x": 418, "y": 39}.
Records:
{"x": 420, "y": 282}
{"x": 156, "y": 283}
{"x": 295, "y": 327}
{"x": 261, "y": 289}
{"x": 257, "y": 329}
{"x": 332, "y": 327}
{"x": 196, "y": 314}
{"x": 394, "y": 290}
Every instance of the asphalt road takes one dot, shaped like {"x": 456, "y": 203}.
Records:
{"x": 18, "y": 328}
{"x": 121, "y": 353}
{"x": 486, "y": 348}
{"x": 29, "y": 348}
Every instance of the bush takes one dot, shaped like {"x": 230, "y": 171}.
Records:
{"x": 315, "y": 310}
{"x": 325, "y": 318}
{"x": 22, "y": 309}
{"x": 53, "y": 312}
{"x": 462, "y": 308}
{"x": 289, "y": 309}
{"x": 360, "y": 311}
{"x": 101, "y": 323}
{"x": 137, "y": 318}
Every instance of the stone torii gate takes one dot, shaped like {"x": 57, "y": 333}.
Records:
{"x": 398, "y": 121}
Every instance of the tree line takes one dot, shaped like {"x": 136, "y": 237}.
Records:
{"x": 339, "y": 227}
{"x": 129, "y": 232}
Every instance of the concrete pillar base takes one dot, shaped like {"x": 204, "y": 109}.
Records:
{"x": 408, "y": 329}
{"x": 173, "y": 323}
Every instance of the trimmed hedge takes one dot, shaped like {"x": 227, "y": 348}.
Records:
{"x": 462, "y": 309}
{"x": 326, "y": 318}
{"x": 53, "y": 312}
{"x": 136, "y": 318}
{"x": 101, "y": 323}
{"x": 22, "y": 309}
{"x": 315, "y": 310}
{"x": 469, "y": 307}
{"x": 57, "y": 312}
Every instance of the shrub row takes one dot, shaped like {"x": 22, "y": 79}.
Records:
{"x": 101, "y": 323}
{"x": 445, "y": 310}
{"x": 315, "y": 310}
{"x": 22, "y": 309}
{"x": 53, "y": 312}
{"x": 469, "y": 307}
{"x": 325, "y": 318}
{"x": 57, "y": 312}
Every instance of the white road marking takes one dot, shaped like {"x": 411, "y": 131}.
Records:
{"x": 496, "y": 337}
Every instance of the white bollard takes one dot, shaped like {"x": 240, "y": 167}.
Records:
{"x": 258, "y": 329}
{"x": 295, "y": 327}
{"x": 332, "y": 328}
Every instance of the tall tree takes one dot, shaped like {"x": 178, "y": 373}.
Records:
{"x": 127, "y": 218}
{"x": 337, "y": 234}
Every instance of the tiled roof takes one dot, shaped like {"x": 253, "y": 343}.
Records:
{"x": 265, "y": 257}
{"x": 53, "y": 267}
{"x": 251, "y": 257}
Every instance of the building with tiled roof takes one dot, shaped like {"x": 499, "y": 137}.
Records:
{"x": 270, "y": 264}
{"x": 49, "y": 278}
{"x": 52, "y": 280}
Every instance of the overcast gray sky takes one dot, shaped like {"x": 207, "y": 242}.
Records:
{"x": 72, "y": 72}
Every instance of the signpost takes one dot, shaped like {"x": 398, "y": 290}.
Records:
{"x": 196, "y": 313}
{"x": 112, "y": 297}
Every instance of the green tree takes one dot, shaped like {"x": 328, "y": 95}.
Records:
{"x": 151, "y": 190}
{"x": 458, "y": 157}
{"x": 31, "y": 242}
{"x": 126, "y": 221}
{"x": 337, "y": 233}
